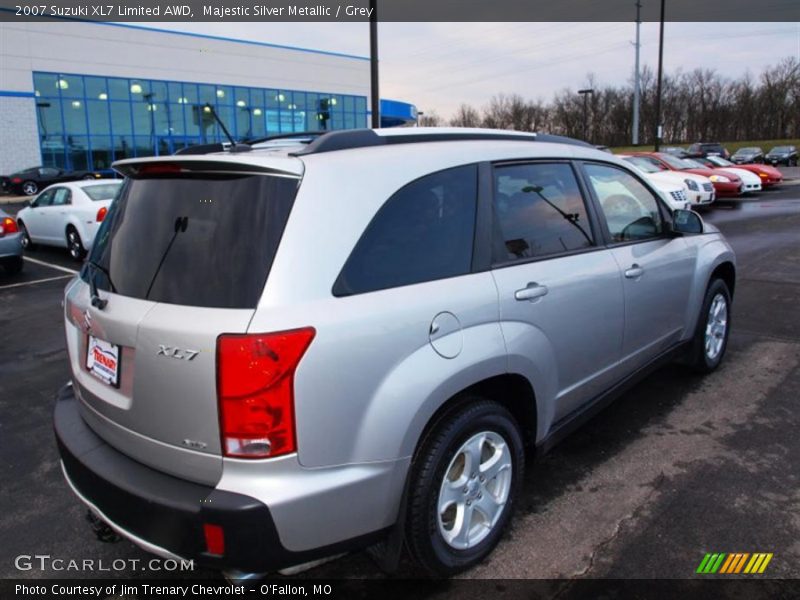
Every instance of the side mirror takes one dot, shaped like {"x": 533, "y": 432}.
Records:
{"x": 686, "y": 222}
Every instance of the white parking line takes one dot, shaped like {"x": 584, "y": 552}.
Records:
{"x": 52, "y": 266}
{"x": 13, "y": 285}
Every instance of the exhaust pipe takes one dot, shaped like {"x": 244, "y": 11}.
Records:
{"x": 101, "y": 529}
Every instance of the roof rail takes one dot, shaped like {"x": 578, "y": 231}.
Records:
{"x": 363, "y": 138}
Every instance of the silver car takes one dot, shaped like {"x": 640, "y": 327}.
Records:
{"x": 285, "y": 351}
{"x": 10, "y": 244}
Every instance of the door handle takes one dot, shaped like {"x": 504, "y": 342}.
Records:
{"x": 634, "y": 271}
{"x": 531, "y": 292}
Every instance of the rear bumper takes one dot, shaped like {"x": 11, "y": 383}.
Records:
{"x": 11, "y": 245}
{"x": 165, "y": 515}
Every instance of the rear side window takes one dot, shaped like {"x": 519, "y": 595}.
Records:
{"x": 204, "y": 241}
{"x": 106, "y": 191}
{"x": 539, "y": 210}
{"x": 423, "y": 232}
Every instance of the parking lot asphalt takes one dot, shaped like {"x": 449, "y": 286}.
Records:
{"x": 677, "y": 467}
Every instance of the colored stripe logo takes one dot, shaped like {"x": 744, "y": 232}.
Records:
{"x": 734, "y": 563}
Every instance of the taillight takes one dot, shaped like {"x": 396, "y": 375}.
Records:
{"x": 16, "y": 180}
{"x": 255, "y": 391}
{"x": 8, "y": 225}
{"x": 101, "y": 214}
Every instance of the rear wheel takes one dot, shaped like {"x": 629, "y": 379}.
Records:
{"x": 74, "y": 244}
{"x": 713, "y": 328}
{"x": 465, "y": 479}
{"x": 88, "y": 178}
{"x": 29, "y": 188}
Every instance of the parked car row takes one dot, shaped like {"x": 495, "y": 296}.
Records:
{"x": 34, "y": 179}
{"x": 779, "y": 155}
{"x": 704, "y": 178}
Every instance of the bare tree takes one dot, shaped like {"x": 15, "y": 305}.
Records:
{"x": 696, "y": 105}
{"x": 430, "y": 119}
{"x": 466, "y": 116}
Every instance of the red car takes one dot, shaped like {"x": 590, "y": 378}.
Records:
{"x": 725, "y": 183}
{"x": 769, "y": 175}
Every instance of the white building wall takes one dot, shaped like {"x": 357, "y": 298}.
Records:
{"x": 19, "y": 134}
{"x": 128, "y": 51}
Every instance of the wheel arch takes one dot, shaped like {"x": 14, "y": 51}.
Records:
{"x": 511, "y": 390}
{"x": 726, "y": 271}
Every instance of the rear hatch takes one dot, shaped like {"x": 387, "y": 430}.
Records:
{"x": 182, "y": 257}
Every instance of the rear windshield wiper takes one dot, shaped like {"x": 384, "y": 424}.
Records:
{"x": 97, "y": 301}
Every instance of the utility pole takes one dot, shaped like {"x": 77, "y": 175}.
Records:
{"x": 659, "y": 128}
{"x": 375, "y": 99}
{"x": 585, "y": 93}
{"x": 636, "y": 92}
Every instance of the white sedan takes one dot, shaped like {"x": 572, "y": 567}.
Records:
{"x": 67, "y": 215}
{"x": 699, "y": 189}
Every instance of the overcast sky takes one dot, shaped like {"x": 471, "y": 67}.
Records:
{"x": 439, "y": 65}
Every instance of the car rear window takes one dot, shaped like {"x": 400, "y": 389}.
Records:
{"x": 107, "y": 191}
{"x": 204, "y": 241}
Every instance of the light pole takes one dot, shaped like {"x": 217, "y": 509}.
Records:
{"x": 636, "y": 76}
{"x": 585, "y": 93}
{"x": 659, "y": 129}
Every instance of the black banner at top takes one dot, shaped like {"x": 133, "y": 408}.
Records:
{"x": 400, "y": 10}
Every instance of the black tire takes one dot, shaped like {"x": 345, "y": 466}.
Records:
{"x": 13, "y": 265}
{"x": 431, "y": 464}
{"x": 30, "y": 188}
{"x": 75, "y": 244}
{"x": 701, "y": 358}
{"x": 27, "y": 243}
{"x": 88, "y": 177}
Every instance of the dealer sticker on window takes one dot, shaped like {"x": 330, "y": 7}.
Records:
{"x": 102, "y": 360}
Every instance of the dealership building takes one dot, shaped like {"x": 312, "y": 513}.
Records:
{"x": 80, "y": 95}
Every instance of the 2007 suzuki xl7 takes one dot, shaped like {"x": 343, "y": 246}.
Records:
{"x": 283, "y": 351}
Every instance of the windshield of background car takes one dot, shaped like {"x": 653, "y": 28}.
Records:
{"x": 193, "y": 240}
{"x": 106, "y": 191}
{"x": 679, "y": 163}
{"x": 643, "y": 164}
{"x": 747, "y": 151}
{"x": 720, "y": 162}
{"x": 781, "y": 149}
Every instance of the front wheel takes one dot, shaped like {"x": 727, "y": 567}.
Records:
{"x": 713, "y": 328}
{"x": 465, "y": 479}
{"x": 27, "y": 243}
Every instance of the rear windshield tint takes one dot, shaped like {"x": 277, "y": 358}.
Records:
{"x": 197, "y": 241}
{"x": 107, "y": 191}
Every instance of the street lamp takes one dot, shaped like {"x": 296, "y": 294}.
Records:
{"x": 659, "y": 129}
{"x": 585, "y": 93}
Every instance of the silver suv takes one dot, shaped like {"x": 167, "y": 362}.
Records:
{"x": 283, "y": 351}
